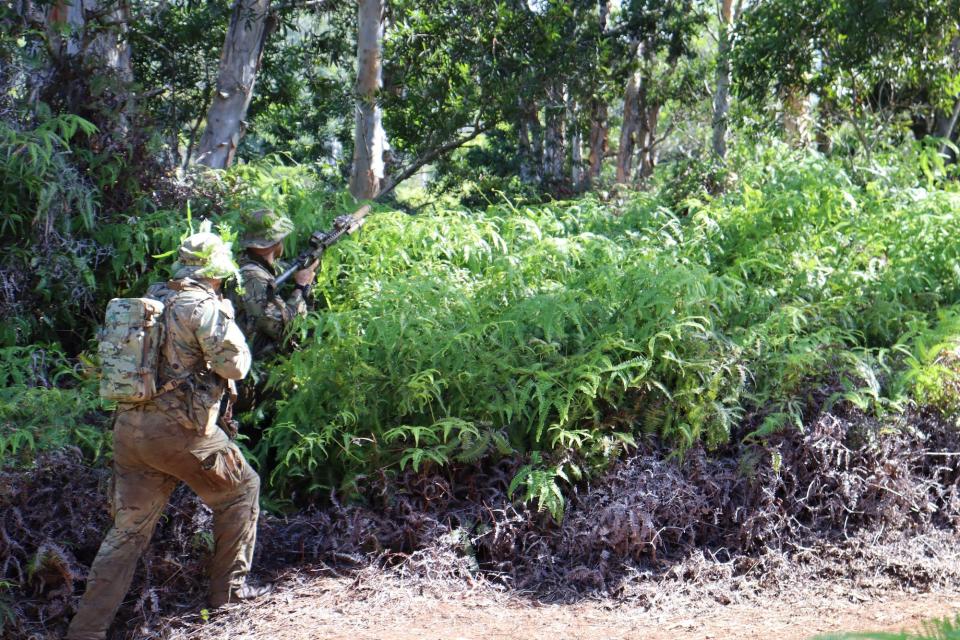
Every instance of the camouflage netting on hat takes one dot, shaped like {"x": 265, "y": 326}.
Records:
{"x": 264, "y": 228}
{"x": 205, "y": 255}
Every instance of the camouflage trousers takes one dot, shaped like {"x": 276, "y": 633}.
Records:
{"x": 151, "y": 453}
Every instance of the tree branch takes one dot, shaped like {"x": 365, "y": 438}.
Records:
{"x": 430, "y": 156}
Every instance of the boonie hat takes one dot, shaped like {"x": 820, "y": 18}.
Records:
{"x": 205, "y": 255}
{"x": 264, "y": 228}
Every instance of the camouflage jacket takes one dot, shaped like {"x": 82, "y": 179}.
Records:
{"x": 262, "y": 314}
{"x": 203, "y": 346}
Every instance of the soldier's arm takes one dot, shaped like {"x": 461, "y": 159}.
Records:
{"x": 221, "y": 340}
{"x": 271, "y": 313}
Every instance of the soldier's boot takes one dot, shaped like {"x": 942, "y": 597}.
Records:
{"x": 246, "y": 592}
{"x": 138, "y": 500}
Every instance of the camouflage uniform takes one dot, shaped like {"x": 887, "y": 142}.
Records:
{"x": 262, "y": 314}
{"x": 175, "y": 437}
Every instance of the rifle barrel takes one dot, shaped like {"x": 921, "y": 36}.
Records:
{"x": 283, "y": 277}
{"x": 315, "y": 252}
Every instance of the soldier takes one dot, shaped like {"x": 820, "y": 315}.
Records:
{"x": 175, "y": 437}
{"x": 264, "y": 316}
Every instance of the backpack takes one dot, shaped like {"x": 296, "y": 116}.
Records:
{"x": 129, "y": 349}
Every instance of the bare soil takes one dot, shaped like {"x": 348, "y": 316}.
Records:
{"x": 331, "y": 608}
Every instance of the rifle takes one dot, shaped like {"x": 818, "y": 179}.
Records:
{"x": 320, "y": 241}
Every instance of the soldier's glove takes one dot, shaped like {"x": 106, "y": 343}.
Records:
{"x": 230, "y": 427}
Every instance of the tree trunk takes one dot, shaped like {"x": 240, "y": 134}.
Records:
{"x": 527, "y": 171}
{"x": 599, "y": 139}
{"x": 825, "y": 115}
{"x": 536, "y": 139}
{"x": 721, "y": 99}
{"x": 629, "y": 129}
{"x": 100, "y": 41}
{"x": 531, "y": 142}
{"x": 554, "y": 140}
{"x": 795, "y": 120}
{"x": 250, "y": 25}
{"x": 647, "y": 137}
{"x": 576, "y": 145}
{"x": 631, "y": 123}
{"x": 604, "y": 13}
{"x": 648, "y": 116}
{"x": 366, "y": 177}
{"x": 945, "y": 123}
{"x": 599, "y": 127}
{"x": 87, "y": 40}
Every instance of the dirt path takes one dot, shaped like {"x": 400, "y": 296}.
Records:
{"x": 333, "y": 609}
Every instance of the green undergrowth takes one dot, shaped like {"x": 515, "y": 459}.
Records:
{"x": 45, "y": 405}
{"x": 939, "y": 629}
{"x": 562, "y": 332}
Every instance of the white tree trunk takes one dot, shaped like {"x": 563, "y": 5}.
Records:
{"x": 945, "y": 124}
{"x": 366, "y": 178}
{"x": 93, "y": 42}
{"x": 721, "y": 99}
{"x": 239, "y": 65}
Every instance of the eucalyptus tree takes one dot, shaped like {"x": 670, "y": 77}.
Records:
{"x": 599, "y": 102}
{"x": 250, "y": 26}
{"x": 177, "y": 45}
{"x": 728, "y": 11}
{"x": 85, "y": 64}
{"x": 367, "y": 174}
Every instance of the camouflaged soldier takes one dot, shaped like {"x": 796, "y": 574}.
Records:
{"x": 263, "y": 315}
{"x": 175, "y": 437}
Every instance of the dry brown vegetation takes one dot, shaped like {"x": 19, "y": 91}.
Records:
{"x": 842, "y": 503}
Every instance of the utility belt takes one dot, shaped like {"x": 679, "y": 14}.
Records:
{"x": 200, "y": 402}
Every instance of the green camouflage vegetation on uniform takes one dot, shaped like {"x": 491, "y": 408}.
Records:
{"x": 263, "y": 228}
{"x": 265, "y": 315}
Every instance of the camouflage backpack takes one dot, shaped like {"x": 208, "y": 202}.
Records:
{"x": 129, "y": 349}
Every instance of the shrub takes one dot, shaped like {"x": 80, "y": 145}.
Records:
{"x": 46, "y": 405}
{"x": 569, "y": 329}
